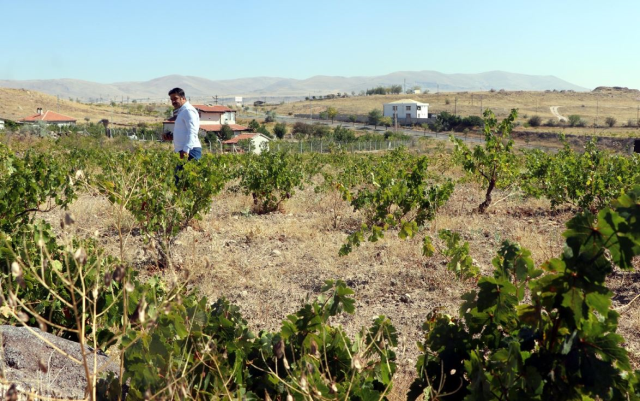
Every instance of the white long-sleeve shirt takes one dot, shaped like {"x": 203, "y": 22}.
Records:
{"x": 185, "y": 131}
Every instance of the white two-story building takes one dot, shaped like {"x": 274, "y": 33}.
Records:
{"x": 406, "y": 110}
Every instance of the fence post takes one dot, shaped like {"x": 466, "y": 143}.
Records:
{"x": 321, "y": 147}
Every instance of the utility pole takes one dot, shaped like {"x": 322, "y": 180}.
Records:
{"x": 597, "y": 112}
{"x": 480, "y": 105}
{"x": 455, "y": 108}
{"x": 638, "y": 116}
{"x": 472, "y": 99}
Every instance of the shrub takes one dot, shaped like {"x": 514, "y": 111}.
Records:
{"x": 254, "y": 125}
{"x": 574, "y": 119}
{"x": 535, "y": 121}
{"x": 280, "y": 130}
{"x": 271, "y": 116}
{"x": 547, "y": 333}
{"x": 610, "y": 121}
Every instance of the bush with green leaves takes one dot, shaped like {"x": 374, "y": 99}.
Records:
{"x": 495, "y": 165}
{"x": 574, "y": 120}
{"x": 35, "y": 182}
{"x": 544, "y": 333}
{"x": 460, "y": 262}
{"x": 194, "y": 349}
{"x": 398, "y": 193}
{"x": 162, "y": 197}
{"x": 270, "y": 178}
{"x": 587, "y": 180}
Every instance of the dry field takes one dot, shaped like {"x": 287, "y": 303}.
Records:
{"x": 270, "y": 264}
{"x": 619, "y": 104}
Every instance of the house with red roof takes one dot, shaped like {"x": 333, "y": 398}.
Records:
{"x": 254, "y": 142}
{"x": 212, "y": 118}
{"x": 49, "y": 117}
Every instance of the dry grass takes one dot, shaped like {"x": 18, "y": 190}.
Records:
{"x": 16, "y": 104}
{"x": 622, "y": 105}
{"x": 270, "y": 264}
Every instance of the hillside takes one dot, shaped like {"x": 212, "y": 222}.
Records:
{"x": 203, "y": 89}
{"x": 19, "y": 103}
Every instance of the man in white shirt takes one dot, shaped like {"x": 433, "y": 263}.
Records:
{"x": 186, "y": 127}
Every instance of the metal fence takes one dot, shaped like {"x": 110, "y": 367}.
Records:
{"x": 330, "y": 146}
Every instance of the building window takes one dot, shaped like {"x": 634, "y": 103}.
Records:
{"x": 395, "y": 108}
{"x": 408, "y": 108}
{"x": 419, "y": 107}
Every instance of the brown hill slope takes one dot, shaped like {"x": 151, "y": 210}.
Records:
{"x": 16, "y": 104}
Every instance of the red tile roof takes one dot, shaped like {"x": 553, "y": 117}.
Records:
{"x": 218, "y": 127}
{"x": 49, "y": 116}
{"x": 219, "y": 109}
{"x": 240, "y": 137}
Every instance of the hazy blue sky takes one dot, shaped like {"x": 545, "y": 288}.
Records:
{"x": 586, "y": 42}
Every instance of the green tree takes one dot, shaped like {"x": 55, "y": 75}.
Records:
{"x": 332, "y": 112}
{"x": 342, "y": 134}
{"x": 254, "y": 125}
{"x": 353, "y": 119}
{"x": 280, "y": 130}
{"x": 495, "y": 164}
{"x": 373, "y": 118}
{"x": 395, "y": 89}
{"x": 226, "y": 132}
{"x": 265, "y": 131}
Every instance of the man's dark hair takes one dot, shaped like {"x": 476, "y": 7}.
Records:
{"x": 177, "y": 91}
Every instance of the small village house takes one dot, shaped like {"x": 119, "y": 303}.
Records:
{"x": 258, "y": 142}
{"x": 1, "y": 123}
{"x": 406, "y": 111}
{"x": 49, "y": 117}
{"x": 212, "y": 118}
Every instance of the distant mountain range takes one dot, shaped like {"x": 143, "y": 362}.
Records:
{"x": 271, "y": 87}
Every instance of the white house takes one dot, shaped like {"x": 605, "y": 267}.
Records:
{"x": 49, "y": 117}
{"x": 406, "y": 109}
{"x": 258, "y": 142}
{"x": 212, "y": 118}
{"x": 1, "y": 123}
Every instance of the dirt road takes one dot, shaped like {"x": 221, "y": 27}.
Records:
{"x": 554, "y": 111}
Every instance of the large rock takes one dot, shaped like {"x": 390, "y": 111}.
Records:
{"x": 30, "y": 363}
